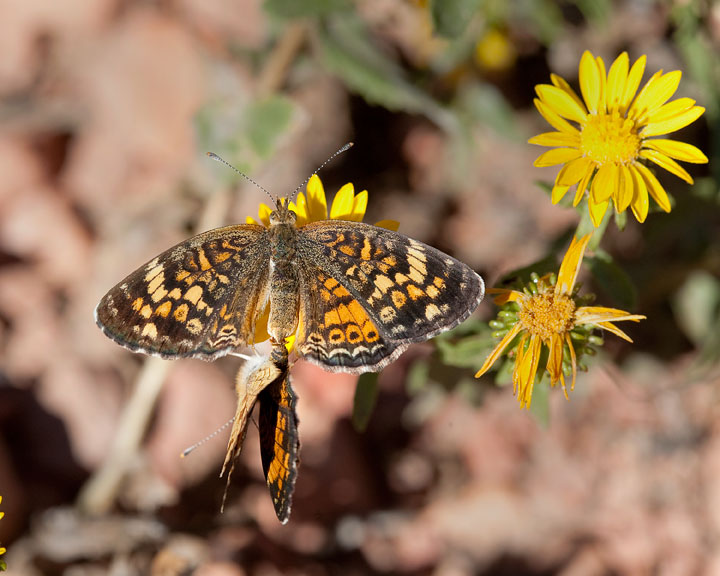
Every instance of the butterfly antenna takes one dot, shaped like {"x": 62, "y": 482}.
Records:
{"x": 208, "y": 437}
{"x": 218, "y": 159}
{"x": 343, "y": 149}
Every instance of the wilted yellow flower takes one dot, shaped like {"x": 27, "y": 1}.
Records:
{"x": 548, "y": 316}
{"x": 345, "y": 206}
{"x": 602, "y": 138}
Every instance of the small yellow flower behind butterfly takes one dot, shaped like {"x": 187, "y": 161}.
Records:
{"x": 602, "y": 139}
{"x": 548, "y": 317}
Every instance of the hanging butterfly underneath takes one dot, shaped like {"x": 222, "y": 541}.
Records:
{"x": 267, "y": 380}
{"x": 355, "y": 296}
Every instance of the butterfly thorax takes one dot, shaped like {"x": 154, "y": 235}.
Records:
{"x": 284, "y": 277}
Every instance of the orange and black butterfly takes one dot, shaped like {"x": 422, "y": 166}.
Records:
{"x": 267, "y": 380}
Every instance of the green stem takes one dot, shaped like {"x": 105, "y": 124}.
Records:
{"x": 585, "y": 226}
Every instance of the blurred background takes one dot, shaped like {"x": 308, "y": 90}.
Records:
{"x": 106, "y": 111}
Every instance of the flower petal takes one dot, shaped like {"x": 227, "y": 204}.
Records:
{"x": 556, "y": 139}
{"x": 604, "y": 183}
{"x": 574, "y": 171}
{"x": 388, "y": 225}
{"x": 597, "y": 210}
{"x": 640, "y": 202}
{"x": 590, "y": 86}
{"x": 561, "y": 83}
{"x": 654, "y": 187}
{"x": 301, "y": 210}
{"x": 359, "y": 206}
{"x": 667, "y": 163}
{"x": 672, "y": 124}
{"x": 671, "y": 109}
{"x": 582, "y": 186}
{"x": 678, "y": 150}
{"x": 567, "y": 275}
{"x": 498, "y": 350}
{"x": 624, "y": 194}
{"x": 342, "y": 204}
{"x": 505, "y": 295}
{"x": 554, "y": 119}
{"x": 617, "y": 78}
{"x": 558, "y": 192}
{"x": 633, "y": 82}
{"x": 316, "y": 201}
{"x": 525, "y": 371}
{"x": 264, "y": 213}
{"x": 556, "y": 156}
{"x": 654, "y": 94}
{"x": 555, "y": 357}
{"x": 561, "y": 102}
{"x": 573, "y": 359}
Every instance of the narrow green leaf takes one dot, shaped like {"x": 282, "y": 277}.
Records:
{"x": 267, "y": 120}
{"x": 291, "y": 9}
{"x": 366, "y": 393}
{"x": 465, "y": 353}
{"x": 451, "y": 17}
{"x": 349, "y": 52}
{"x": 697, "y": 305}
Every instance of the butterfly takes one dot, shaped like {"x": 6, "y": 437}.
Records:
{"x": 267, "y": 380}
{"x": 355, "y": 296}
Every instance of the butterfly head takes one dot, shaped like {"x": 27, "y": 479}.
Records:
{"x": 282, "y": 213}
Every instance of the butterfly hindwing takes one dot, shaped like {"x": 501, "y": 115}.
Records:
{"x": 279, "y": 442}
{"x": 373, "y": 292}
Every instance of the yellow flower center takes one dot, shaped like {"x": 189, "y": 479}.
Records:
{"x": 546, "y": 314}
{"x": 610, "y": 138}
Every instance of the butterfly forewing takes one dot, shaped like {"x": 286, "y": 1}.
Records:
{"x": 372, "y": 292}
{"x": 200, "y": 298}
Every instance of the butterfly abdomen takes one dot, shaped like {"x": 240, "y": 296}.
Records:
{"x": 284, "y": 282}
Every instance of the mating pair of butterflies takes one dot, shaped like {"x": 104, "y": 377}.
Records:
{"x": 355, "y": 296}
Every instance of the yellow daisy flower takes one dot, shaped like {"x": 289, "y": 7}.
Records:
{"x": 312, "y": 208}
{"x": 602, "y": 138}
{"x": 547, "y": 318}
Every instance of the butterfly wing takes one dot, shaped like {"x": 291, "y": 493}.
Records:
{"x": 372, "y": 292}
{"x": 200, "y": 298}
{"x": 254, "y": 376}
{"x": 279, "y": 442}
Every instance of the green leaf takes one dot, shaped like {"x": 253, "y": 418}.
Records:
{"x": 451, "y": 17}
{"x": 267, "y": 121}
{"x": 612, "y": 279}
{"x": 597, "y": 12}
{"x": 465, "y": 353}
{"x": 366, "y": 393}
{"x": 417, "y": 378}
{"x": 349, "y": 52}
{"x": 291, "y": 9}
{"x": 585, "y": 226}
{"x": 697, "y": 306}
